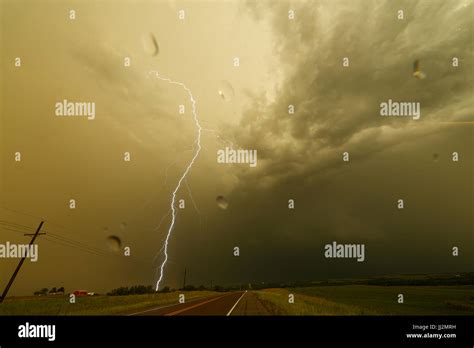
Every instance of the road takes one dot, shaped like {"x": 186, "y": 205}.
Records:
{"x": 234, "y": 303}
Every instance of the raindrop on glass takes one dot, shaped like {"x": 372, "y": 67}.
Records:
{"x": 150, "y": 45}
{"x": 114, "y": 243}
{"x": 226, "y": 91}
{"x": 222, "y": 202}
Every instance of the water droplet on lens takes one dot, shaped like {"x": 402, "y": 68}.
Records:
{"x": 222, "y": 202}
{"x": 114, "y": 243}
{"x": 435, "y": 157}
{"x": 150, "y": 45}
{"x": 226, "y": 91}
{"x": 123, "y": 225}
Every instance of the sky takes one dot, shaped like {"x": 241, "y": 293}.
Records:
{"x": 283, "y": 62}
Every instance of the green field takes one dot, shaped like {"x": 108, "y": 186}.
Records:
{"x": 314, "y": 300}
{"x": 92, "y": 305}
{"x": 370, "y": 300}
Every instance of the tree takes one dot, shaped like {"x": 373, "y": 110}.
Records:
{"x": 53, "y": 290}
{"x": 119, "y": 291}
{"x": 132, "y": 290}
{"x": 61, "y": 289}
{"x": 44, "y": 291}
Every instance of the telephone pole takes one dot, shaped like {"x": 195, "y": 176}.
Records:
{"x": 12, "y": 279}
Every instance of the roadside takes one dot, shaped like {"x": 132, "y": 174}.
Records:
{"x": 250, "y": 304}
{"x": 215, "y": 305}
{"x": 369, "y": 300}
{"x": 95, "y": 305}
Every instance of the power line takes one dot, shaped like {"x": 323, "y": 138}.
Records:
{"x": 54, "y": 224}
{"x": 55, "y": 240}
{"x": 19, "y": 228}
{"x": 75, "y": 247}
{"x": 65, "y": 241}
{"x": 12, "y": 279}
{"x": 68, "y": 239}
{"x": 58, "y": 237}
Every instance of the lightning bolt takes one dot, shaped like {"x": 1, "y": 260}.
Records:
{"x": 183, "y": 177}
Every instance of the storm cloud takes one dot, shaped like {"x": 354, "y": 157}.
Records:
{"x": 298, "y": 62}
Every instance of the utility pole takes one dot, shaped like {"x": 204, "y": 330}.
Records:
{"x": 184, "y": 282}
{"x": 12, "y": 279}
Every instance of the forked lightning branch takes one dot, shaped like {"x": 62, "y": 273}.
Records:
{"x": 185, "y": 173}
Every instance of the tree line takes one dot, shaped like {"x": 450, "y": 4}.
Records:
{"x": 148, "y": 289}
{"x": 52, "y": 291}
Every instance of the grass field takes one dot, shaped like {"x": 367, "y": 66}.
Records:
{"x": 92, "y": 305}
{"x": 370, "y": 300}
{"x": 315, "y": 300}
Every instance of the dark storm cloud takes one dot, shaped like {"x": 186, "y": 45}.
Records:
{"x": 337, "y": 110}
{"x": 338, "y": 107}
{"x": 299, "y": 156}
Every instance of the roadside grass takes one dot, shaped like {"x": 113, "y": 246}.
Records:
{"x": 371, "y": 300}
{"x": 275, "y": 302}
{"x": 93, "y": 305}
